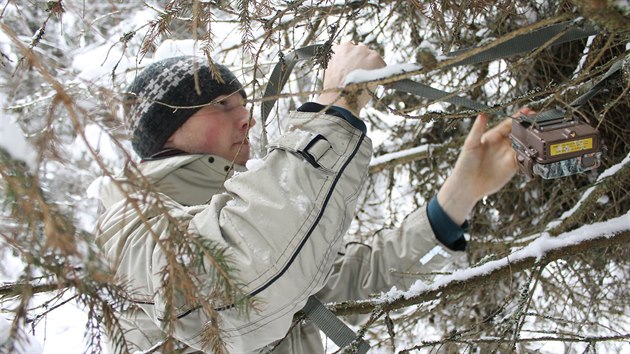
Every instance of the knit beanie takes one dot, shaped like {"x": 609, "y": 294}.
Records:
{"x": 163, "y": 96}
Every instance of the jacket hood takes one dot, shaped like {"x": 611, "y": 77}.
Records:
{"x": 188, "y": 179}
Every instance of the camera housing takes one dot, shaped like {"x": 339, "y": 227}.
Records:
{"x": 552, "y": 146}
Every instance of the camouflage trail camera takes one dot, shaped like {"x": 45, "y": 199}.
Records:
{"x": 555, "y": 147}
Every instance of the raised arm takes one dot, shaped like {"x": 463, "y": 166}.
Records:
{"x": 484, "y": 166}
{"x": 348, "y": 57}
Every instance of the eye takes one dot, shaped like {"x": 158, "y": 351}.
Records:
{"x": 231, "y": 102}
{"x": 222, "y": 105}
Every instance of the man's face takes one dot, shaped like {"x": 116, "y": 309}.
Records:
{"x": 219, "y": 129}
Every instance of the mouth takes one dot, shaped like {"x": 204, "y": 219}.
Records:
{"x": 243, "y": 142}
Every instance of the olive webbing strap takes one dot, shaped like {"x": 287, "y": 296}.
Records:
{"x": 558, "y": 33}
{"x": 563, "y": 32}
{"x": 553, "y": 114}
{"x": 614, "y": 68}
{"x": 333, "y": 327}
{"x": 426, "y": 91}
{"x": 280, "y": 76}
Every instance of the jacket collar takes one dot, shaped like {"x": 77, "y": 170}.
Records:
{"x": 188, "y": 179}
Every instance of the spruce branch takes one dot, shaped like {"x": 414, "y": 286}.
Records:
{"x": 539, "y": 339}
{"x": 483, "y": 276}
{"x": 575, "y": 217}
{"x": 604, "y": 14}
{"x": 61, "y": 236}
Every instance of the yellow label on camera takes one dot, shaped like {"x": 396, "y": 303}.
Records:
{"x": 571, "y": 146}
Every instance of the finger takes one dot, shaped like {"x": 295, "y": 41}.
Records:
{"x": 498, "y": 134}
{"x": 504, "y": 128}
{"x": 477, "y": 130}
{"x": 524, "y": 111}
{"x": 514, "y": 161}
{"x": 527, "y": 111}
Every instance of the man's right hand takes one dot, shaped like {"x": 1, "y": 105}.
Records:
{"x": 346, "y": 58}
{"x": 486, "y": 163}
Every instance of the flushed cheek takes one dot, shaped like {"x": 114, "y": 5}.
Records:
{"x": 212, "y": 137}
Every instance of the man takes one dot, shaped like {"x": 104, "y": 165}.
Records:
{"x": 282, "y": 224}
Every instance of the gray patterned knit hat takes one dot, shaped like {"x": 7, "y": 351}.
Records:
{"x": 150, "y": 99}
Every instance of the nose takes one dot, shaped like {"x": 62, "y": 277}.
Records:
{"x": 246, "y": 122}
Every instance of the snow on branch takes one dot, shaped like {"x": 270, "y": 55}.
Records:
{"x": 14, "y": 144}
{"x": 575, "y": 215}
{"x": 396, "y": 72}
{"x": 400, "y": 157}
{"x": 361, "y": 75}
{"x": 544, "y": 249}
{"x": 380, "y": 163}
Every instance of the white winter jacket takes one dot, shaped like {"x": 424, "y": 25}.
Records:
{"x": 282, "y": 226}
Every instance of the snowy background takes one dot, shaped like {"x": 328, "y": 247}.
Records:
{"x": 97, "y": 52}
